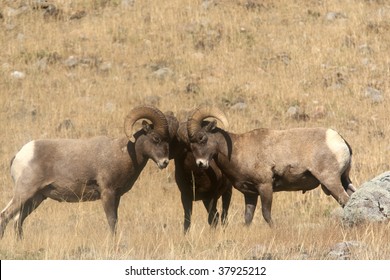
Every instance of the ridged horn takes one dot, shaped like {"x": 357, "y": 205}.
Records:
{"x": 150, "y": 113}
{"x": 200, "y": 114}
{"x": 173, "y": 124}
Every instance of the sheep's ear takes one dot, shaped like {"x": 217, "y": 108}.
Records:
{"x": 147, "y": 127}
{"x": 211, "y": 126}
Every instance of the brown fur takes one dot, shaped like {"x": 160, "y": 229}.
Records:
{"x": 207, "y": 185}
{"x": 264, "y": 161}
{"x": 76, "y": 170}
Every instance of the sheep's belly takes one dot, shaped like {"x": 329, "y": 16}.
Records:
{"x": 303, "y": 182}
{"x": 62, "y": 194}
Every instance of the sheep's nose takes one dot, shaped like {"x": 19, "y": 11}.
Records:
{"x": 163, "y": 163}
{"x": 204, "y": 164}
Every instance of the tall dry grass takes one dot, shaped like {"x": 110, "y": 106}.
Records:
{"x": 269, "y": 54}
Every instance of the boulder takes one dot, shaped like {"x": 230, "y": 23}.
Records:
{"x": 370, "y": 203}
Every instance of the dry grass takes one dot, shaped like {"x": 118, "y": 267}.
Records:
{"x": 269, "y": 54}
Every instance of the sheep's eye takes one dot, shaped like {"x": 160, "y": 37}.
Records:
{"x": 156, "y": 140}
{"x": 203, "y": 139}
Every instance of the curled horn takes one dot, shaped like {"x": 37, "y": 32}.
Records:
{"x": 173, "y": 124}
{"x": 150, "y": 113}
{"x": 201, "y": 113}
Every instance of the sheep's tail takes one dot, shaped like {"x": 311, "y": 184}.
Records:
{"x": 12, "y": 161}
{"x": 345, "y": 179}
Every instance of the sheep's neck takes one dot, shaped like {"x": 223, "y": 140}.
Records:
{"x": 137, "y": 155}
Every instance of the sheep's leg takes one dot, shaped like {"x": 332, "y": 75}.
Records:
{"x": 187, "y": 206}
{"x": 338, "y": 193}
{"x": 26, "y": 209}
{"x": 110, "y": 202}
{"x": 8, "y": 213}
{"x": 226, "y": 198}
{"x": 266, "y": 193}
{"x": 334, "y": 187}
{"x": 350, "y": 189}
{"x": 250, "y": 207}
{"x": 346, "y": 182}
{"x": 211, "y": 207}
{"x": 14, "y": 206}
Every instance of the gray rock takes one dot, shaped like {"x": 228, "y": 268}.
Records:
{"x": 40, "y": 4}
{"x": 110, "y": 107}
{"x": 127, "y": 3}
{"x": 193, "y": 87}
{"x": 374, "y": 94}
{"x": 331, "y": 16}
{"x": 162, "y": 73}
{"x": 296, "y": 113}
{"x": 370, "y": 203}
{"x": 11, "y": 12}
{"x": 259, "y": 252}
{"x": 239, "y": 106}
{"x": 343, "y": 250}
{"x": 207, "y": 4}
{"x": 18, "y": 75}
{"x": 71, "y": 61}
{"x": 105, "y": 66}
{"x": 41, "y": 64}
{"x": 293, "y": 111}
{"x": 66, "y": 124}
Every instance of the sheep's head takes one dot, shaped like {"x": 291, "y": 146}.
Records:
{"x": 152, "y": 140}
{"x": 201, "y": 134}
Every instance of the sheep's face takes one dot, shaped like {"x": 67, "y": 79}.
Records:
{"x": 204, "y": 145}
{"x": 155, "y": 146}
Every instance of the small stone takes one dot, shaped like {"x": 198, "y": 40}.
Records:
{"x": 162, "y": 73}
{"x": 331, "y": 16}
{"x": 105, "y": 66}
{"x": 374, "y": 94}
{"x": 127, "y": 3}
{"x": 42, "y": 63}
{"x": 293, "y": 111}
{"x": 239, "y": 106}
{"x": 319, "y": 112}
{"x": 18, "y": 75}
{"x": 110, "y": 107}
{"x": 66, "y": 124}
{"x": 78, "y": 15}
{"x": 71, "y": 61}
{"x": 192, "y": 88}
{"x": 342, "y": 250}
{"x": 11, "y": 12}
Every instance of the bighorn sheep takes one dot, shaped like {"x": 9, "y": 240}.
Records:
{"x": 76, "y": 170}
{"x": 196, "y": 183}
{"x": 264, "y": 161}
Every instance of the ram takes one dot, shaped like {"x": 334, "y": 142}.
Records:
{"x": 264, "y": 161}
{"x": 76, "y": 170}
{"x": 197, "y": 183}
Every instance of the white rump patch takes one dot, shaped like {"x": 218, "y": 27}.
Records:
{"x": 339, "y": 148}
{"x": 22, "y": 160}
